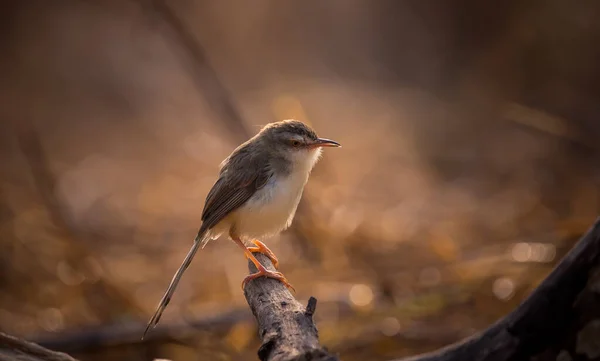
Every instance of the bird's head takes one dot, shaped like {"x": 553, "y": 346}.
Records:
{"x": 295, "y": 141}
{"x": 294, "y": 136}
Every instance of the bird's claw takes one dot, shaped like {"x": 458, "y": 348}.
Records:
{"x": 269, "y": 274}
{"x": 260, "y": 247}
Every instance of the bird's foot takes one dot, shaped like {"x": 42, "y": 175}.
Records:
{"x": 263, "y": 272}
{"x": 262, "y": 248}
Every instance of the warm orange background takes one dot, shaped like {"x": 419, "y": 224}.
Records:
{"x": 470, "y": 163}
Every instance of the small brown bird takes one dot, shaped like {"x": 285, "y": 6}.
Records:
{"x": 256, "y": 195}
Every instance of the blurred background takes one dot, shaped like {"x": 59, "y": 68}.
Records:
{"x": 469, "y": 167}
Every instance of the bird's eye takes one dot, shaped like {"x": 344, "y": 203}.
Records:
{"x": 295, "y": 142}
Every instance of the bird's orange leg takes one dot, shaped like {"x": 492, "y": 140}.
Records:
{"x": 262, "y": 271}
{"x": 262, "y": 248}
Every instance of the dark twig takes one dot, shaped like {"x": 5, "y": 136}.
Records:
{"x": 559, "y": 318}
{"x": 12, "y": 348}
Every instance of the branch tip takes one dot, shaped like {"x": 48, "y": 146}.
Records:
{"x": 311, "y": 307}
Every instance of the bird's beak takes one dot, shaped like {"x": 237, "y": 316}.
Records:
{"x": 322, "y": 142}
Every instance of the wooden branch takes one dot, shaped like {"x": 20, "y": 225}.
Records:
{"x": 286, "y": 328}
{"x": 560, "y": 320}
{"x": 12, "y": 348}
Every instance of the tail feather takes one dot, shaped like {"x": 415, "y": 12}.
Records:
{"x": 199, "y": 242}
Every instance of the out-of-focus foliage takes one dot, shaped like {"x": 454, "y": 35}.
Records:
{"x": 469, "y": 162}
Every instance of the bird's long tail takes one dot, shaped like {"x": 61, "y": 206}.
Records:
{"x": 199, "y": 242}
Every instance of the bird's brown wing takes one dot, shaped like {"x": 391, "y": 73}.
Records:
{"x": 233, "y": 188}
{"x": 237, "y": 182}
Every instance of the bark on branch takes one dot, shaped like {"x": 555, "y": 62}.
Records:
{"x": 285, "y": 326}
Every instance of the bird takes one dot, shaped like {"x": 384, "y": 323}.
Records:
{"x": 255, "y": 195}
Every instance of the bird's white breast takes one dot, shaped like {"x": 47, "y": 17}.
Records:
{"x": 272, "y": 208}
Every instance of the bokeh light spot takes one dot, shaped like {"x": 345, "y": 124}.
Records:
{"x": 361, "y": 295}
{"x": 68, "y": 275}
{"x": 390, "y": 326}
{"x": 51, "y": 319}
{"x": 533, "y": 252}
{"x": 504, "y": 288}
{"x": 521, "y": 252}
